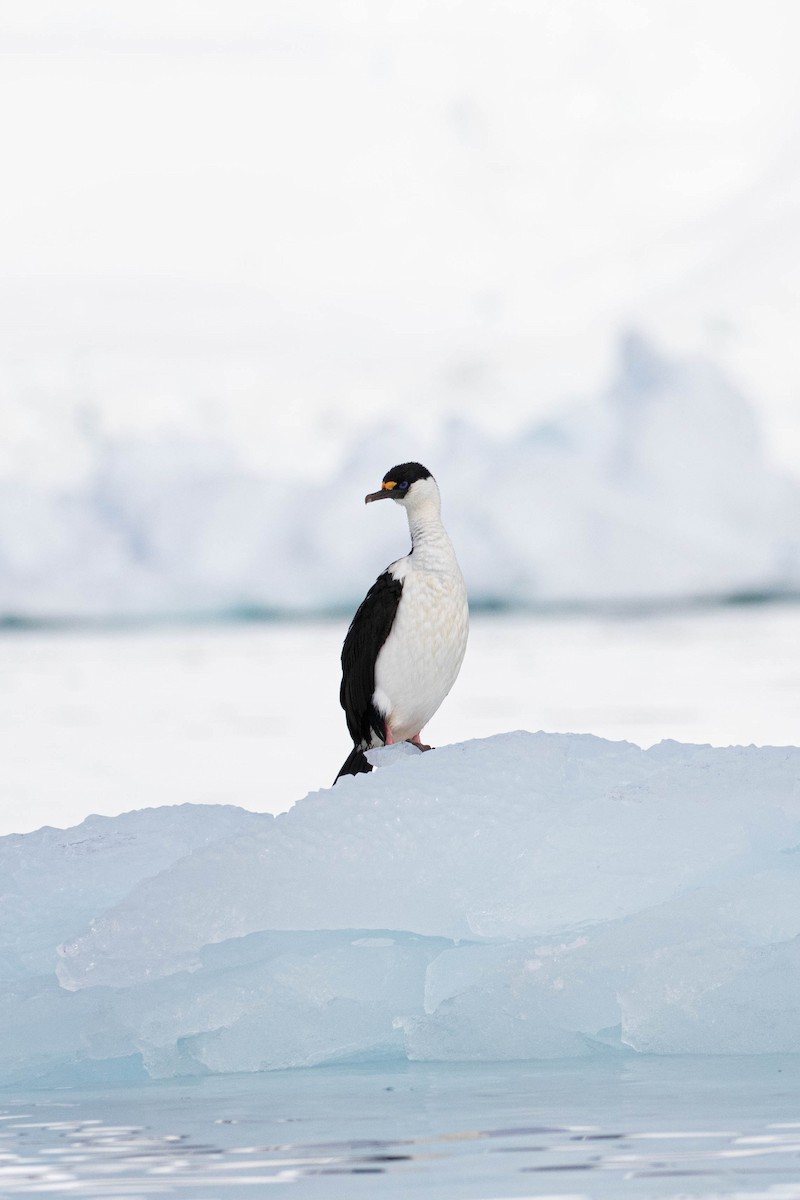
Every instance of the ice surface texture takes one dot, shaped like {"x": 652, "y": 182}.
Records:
{"x": 657, "y": 489}
{"x": 54, "y": 881}
{"x": 530, "y": 895}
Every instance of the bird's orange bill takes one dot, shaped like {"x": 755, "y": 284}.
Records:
{"x": 384, "y": 494}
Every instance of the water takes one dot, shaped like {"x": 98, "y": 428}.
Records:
{"x": 250, "y": 715}
{"x": 632, "y": 1128}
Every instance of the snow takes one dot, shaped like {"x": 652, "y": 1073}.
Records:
{"x": 525, "y": 896}
{"x": 657, "y": 489}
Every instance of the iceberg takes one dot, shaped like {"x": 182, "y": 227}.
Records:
{"x": 657, "y": 489}
{"x": 524, "y": 896}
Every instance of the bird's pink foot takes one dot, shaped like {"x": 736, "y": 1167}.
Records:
{"x": 416, "y": 742}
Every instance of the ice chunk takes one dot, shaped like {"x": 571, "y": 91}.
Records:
{"x": 711, "y": 972}
{"x": 53, "y": 881}
{"x": 269, "y": 1001}
{"x": 527, "y": 896}
{"x": 383, "y": 756}
{"x": 284, "y": 1000}
{"x": 714, "y": 998}
{"x": 514, "y": 1001}
{"x": 516, "y": 836}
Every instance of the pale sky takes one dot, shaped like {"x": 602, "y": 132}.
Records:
{"x": 273, "y": 222}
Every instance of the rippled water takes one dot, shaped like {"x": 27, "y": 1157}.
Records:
{"x": 637, "y": 1128}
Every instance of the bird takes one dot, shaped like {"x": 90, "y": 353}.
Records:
{"x": 406, "y": 642}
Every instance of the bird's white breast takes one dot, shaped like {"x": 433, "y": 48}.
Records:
{"x": 420, "y": 659}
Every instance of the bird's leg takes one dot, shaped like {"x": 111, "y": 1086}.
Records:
{"x": 388, "y": 739}
{"x": 416, "y": 742}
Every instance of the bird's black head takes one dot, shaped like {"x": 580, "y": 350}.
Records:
{"x": 397, "y": 482}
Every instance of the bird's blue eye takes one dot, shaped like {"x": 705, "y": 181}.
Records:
{"x": 403, "y": 484}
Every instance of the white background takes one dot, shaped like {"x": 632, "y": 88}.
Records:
{"x": 275, "y": 222}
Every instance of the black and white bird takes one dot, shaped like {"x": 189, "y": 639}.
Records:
{"x": 406, "y": 643}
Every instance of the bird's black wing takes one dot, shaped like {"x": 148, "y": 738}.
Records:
{"x": 368, "y": 631}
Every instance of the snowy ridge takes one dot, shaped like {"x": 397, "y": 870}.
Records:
{"x": 526, "y": 896}
{"x": 657, "y": 490}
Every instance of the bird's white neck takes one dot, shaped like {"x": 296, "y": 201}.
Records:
{"x": 432, "y": 548}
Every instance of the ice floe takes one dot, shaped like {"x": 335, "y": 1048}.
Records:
{"x": 525, "y": 896}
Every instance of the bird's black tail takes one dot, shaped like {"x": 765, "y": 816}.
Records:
{"x": 355, "y": 764}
